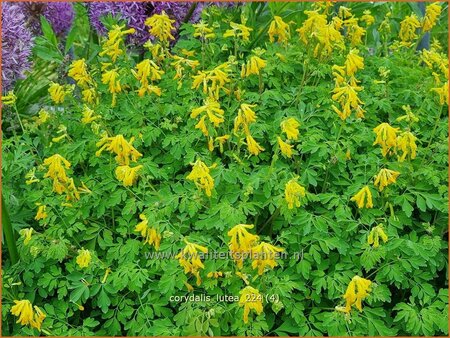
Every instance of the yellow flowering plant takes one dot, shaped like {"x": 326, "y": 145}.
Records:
{"x": 269, "y": 169}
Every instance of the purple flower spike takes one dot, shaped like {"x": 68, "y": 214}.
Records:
{"x": 17, "y": 43}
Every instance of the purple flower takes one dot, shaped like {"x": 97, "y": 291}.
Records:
{"x": 179, "y": 10}
{"x": 134, "y": 13}
{"x": 17, "y": 43}
{"x": 59, "y": 14}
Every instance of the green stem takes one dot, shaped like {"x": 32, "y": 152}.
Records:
{"x": 438, "y": 119}
{"x": 9, "y": 234}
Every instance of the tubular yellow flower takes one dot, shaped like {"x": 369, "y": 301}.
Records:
{"x": 408, "y": 28}
{"x": 264, "y": 254}
{"x": 89, "y": 115}
{"x": 41, "y": 214}
{"x": 128, "y": 175}
{"x": 31, "y": 177}
{"x": 385, "y": 177}
{"x": 201, "y": 177}
{"x": 57, "y": 92}
{"x": 238, "y": 31}
{"x": 111, "y": 78}
{"x": 212, "y": 109}
{"x": 250, "y": 299}
{"x": 161, "y": 26}
{"x": 214, "y": 274}
{"x": 56, "y": 168}
{"x": 78, "y": 71}
{"x": 149, "y": 89}
{"x": 222, "y": 140}
{"x": 355, "y": 34}
{"x": 38, "y": 318}
{"x": 83, "y": 258}
{"x": 122, "y": 148}
{"x": 357, "y": 290}
{"x": 386, "y": 137}
{"x": 218, "y": 77}
{"x": 368, "y": 18}
{"x": 203, "y": 31}
{"x": 280, "y": 29}
{"x": 364, "y": 195}
{"x": 105, "y": 276}
{"x": 347, "y": 96}
{"x": 286, "y": 148}
{"x": 293, "y": 192}
{"x": 112, "y": 46}
{"x": 202, "y": 126}
{"x": 24, "y": 310}
{"x": 253, "y": 147}
{"x": 353, "y": 62}
{"x": 147, "y": 69}
{"x": 375, "y": 234}
{"x": 443, "y": 93}
{"x": 89, "y": 95}
{"x": 290, "y": 128}
{"x": 151, "y": 236}
{"x": 190, "y": 259}
{"x": 26, "y": 235}
{"x": 179, "y": 64}
{"x": 432, "y": 14}
{"x": 253, "y": 66}
{"x": 9, "y": 99}
{"x": 406, "y": 142}
{"x": 241, "y": 242}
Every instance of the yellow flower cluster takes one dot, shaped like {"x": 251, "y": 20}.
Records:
{"x": 244, "y": 118}
{"x": 113, "y": 46}
{"x": 408, "y": 29}
{"x": 346, "y": 86}
{"x": 250, "y": 299}
{"x": 79, "y": 72}
{"x": 388, "y": 139}
{"x": 203, "y": 31}
{"x": 385, "y": 177}
{"x": 41, "y": 213}
{"x": 239, "y": 31}
{"x": 24, "y": 310}
{"x": 364, "y": 196}
{"x": 190, "y": 259}
{"x": 438, "y": 63}
{"x": 280, "y": 29}
{"x": 290, "y": 127}
{"x": 201, "y": 177}
{"x": 26, "y": 235}
{"x": 432, "y": 14}
{"x": 253, "y": 66}
{"x": 84, "y": 258}
{"x": 125, "y": 153}
{"x": 150, "y": 234}
{"x": 357, "y": 290}
{"x": 212, "y": 80}
{"x": 243, "y": 244}
{"x": 58, "y": 92}
{"x": 179, "y": 64}
{"x": 57, "y": 166}
{"x": 148, "y": 70}
{"x": 293, "y": 192}
{"x": 375, "y": 234}
{"x": 161, "y": 26}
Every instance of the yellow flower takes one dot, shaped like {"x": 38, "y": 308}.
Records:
{"x": 112, "y": 46}
{"x": 9, "y": 99}
{"x": 406, "y": 142}
{"x": 245, "y": 117}
{"x": 347, "y": 97}
{"x": 56, "y": 170}
{"x": 57, "y": 92}
{"x": 78, "y": 71}
{"x": 222, "y": 140}
{"x": 161, "y": 26}
{"x": 253, "y": 66}
{"x": 293, "y": 192}
{"x": 203, "y": 31}
{"x": 217, "y": 76}
{"x": 189, "y": 287}
{"x": 88, "y": 116}
{"x": 128, "y": 175}
{"x": 364, "y": 195}
{"x": 122, "y": 148}
{"x": 375, "y": 234}
{"x": 355, "y": 34}
{"x": 31, "y": 177}
{"x": 286, "y": 148}
{"x": 38, "y": 318}
{"x": 443, "y": 93}
{"x": 368, "y": 18}
{"x": 279, "y": 28}
{"x": 105, "y": 276}
{"x": 147, "y": 69}
{"x": 179, "y": 64}
{"x": 385, "y": 177}
{"x": 238, "y": 31}
{"x": 41, "y": 214}
{"x": 386, "y": 137}
{"x": 201, "y": 177}
{"x": 357, "y": 290}
{"x": 43, "y": 117}
{"x": 89, "y": 95}
{"x": 190, "y": 259}
{"x": 72, "y": 191}
{"x": 151, "y": 236}
{"x": 214, "y": 274}
{"x": 202, "y": 126}
{"x": 156, "y": 50}
{"x": 212, "y": 109}
{"x": 241, "y": 242}
{"x": 83, "y": 258}
{"x": 353, "y": 62}
{"x": 211, "y": 144}
{"x": 24, "y": 310}
{"x": 26, "y": 235}
{"x": 250, "y": 299}
{"x": 290, "y": 128}
{"x": 111, "y": 78}
{"x": 264, "y": 254}
{"x": 253, "y": 147}
{"x": 408, "y": 28}
{"x": 432, "y": 14}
